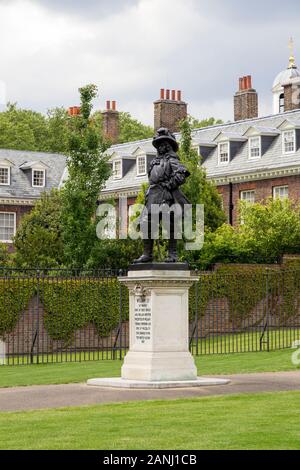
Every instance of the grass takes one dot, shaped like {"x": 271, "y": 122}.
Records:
{"x": 258, "y": 421}
{"x": 76, "y": 372}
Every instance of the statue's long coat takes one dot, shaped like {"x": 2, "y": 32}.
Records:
{"x": 166, "y": 175}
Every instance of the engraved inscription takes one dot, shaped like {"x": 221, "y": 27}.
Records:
{"x": 142, "y": 319}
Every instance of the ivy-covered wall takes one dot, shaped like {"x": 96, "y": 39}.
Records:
{"x": 72, "y": 304}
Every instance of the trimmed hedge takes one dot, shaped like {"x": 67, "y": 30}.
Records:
{"x": 245, "y": 287}
{"x": 73, "y": 304}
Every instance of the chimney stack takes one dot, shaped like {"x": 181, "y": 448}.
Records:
{"x": 169, "y": 110}
{"x": 245, "y": 100}
{"x": 110, "y": 122}
{"x": 74, "y": 110}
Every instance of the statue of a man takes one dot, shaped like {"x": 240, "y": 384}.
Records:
{"x": 166, "y": 175}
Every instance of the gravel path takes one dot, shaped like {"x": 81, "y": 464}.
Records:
{"x": 56, "y": 396}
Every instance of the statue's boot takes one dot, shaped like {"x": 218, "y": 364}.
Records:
{"x": 172, "y": 256}
{"x": 147, "y": 256}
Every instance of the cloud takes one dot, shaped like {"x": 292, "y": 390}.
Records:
{"x": 87, "y": 8}
{"x": 131, "y": 49}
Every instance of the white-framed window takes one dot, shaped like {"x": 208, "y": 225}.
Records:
{"x": 141, "y": 167}
{"x": 117, "y": 169}
{"x": 38, "y": 178}
{"x": 254, "y": 147}
{"x": 280, "y": 192}
{"x": 289, "y": 141}
{"x": 224, "y": 153}
{"x": 248, "y": 196}
{"x": 5, "y": 175}
{"x": 7, "y": 226}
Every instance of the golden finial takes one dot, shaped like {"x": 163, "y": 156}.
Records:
{"x": 292, "y": 64}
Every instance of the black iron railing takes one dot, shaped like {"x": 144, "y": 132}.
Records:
{"x": 59, "y": 315}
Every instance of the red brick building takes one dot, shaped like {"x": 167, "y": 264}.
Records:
{"x": 253, "y": 158}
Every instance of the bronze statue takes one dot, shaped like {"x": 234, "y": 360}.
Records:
{"x": 166, "y": 174}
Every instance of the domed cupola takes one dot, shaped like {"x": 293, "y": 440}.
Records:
{"x": 284, "y": 78}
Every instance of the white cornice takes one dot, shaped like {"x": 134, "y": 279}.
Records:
{"x": 258, "y": 175}
{"x": 17, "y": 202}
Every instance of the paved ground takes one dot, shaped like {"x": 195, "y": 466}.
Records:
{"x": 55, "y": 396}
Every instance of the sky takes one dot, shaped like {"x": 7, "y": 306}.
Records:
{"x": 132, "y": 48}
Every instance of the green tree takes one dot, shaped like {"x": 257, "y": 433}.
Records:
{"x": 22, "y": 129}
{"x": 131, "y": 129}
{"x": 38, "y": 240}
{"x": 268, "y": 232}
{"x": 58, "y": 130}
{"x": 197, "y": 188}
{"x": 197, "y": 124}
{"x": 88, "y": 170}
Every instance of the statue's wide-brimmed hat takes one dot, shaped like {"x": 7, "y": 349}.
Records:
{"x": 163, "y": 134}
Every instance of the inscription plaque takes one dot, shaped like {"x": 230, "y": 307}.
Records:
{"x": 142, "y": 319}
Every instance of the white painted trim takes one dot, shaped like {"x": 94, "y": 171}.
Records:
{"x": 9, "y": 176}
{"x": 258, "y": 175}
{"x": 15, "y": 225}
{"x": 260, "y": 149}
{"x": 44, "y": 178}
{"x": 118, "y": 177}
{"x": 219, "y": 153}
{"x": 17, "y": 202}
{"x": 283, "y": 143}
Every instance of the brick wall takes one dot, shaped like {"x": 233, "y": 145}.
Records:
{"x": 263, "y": 191}
{"x": 31, "y": 336}
{"x": 110, "y": 124}
{"x": 168, "y": 113}
{"x": 245, "y": 105}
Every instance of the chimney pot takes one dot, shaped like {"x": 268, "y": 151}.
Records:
{"x": 249, "y": 82}
{"x": 241, "y": 84}
{"x": 167, "y": 94}
{"x": 113, "y": 103}
{"x": 162, "y": 93}
{"x": 178, "y": 95}
{"x": 173, "y": 95}
{"x": 107, "y": 105}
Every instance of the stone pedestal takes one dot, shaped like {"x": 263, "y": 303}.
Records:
{"x": 159, "y": 354}
{"x": 159, "y": 328}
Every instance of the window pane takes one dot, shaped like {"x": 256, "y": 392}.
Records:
{"x": 289, "y": 141}
{"x": 141, "y": 165}
{"x": 7, "y": 226}
{"x": 255, "y": 147}
{"x": 224, "y": 153}
{"x": 117, "y": 168}
{"x": 280, "y": 192}
{"x": 248, "y": 196}
{"x": 4, "y": 175}
{"x": 38, "y": 177}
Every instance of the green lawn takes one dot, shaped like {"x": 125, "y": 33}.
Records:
{"x": 258, "y": 421}
{"x": 81, "y": 371}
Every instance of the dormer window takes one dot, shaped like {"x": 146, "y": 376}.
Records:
{"x": 38, "y": 178}
{"x": 224, "y": 153}
{"x": 141, "y": 166}
{"x": 289, "y": 141}
{"x": 117, "y": 169}
{"x": 4, "y": 175}
{"x": 255, "y": 147}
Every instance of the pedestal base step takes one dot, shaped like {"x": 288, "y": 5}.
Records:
{"x": 140, "y": 384}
